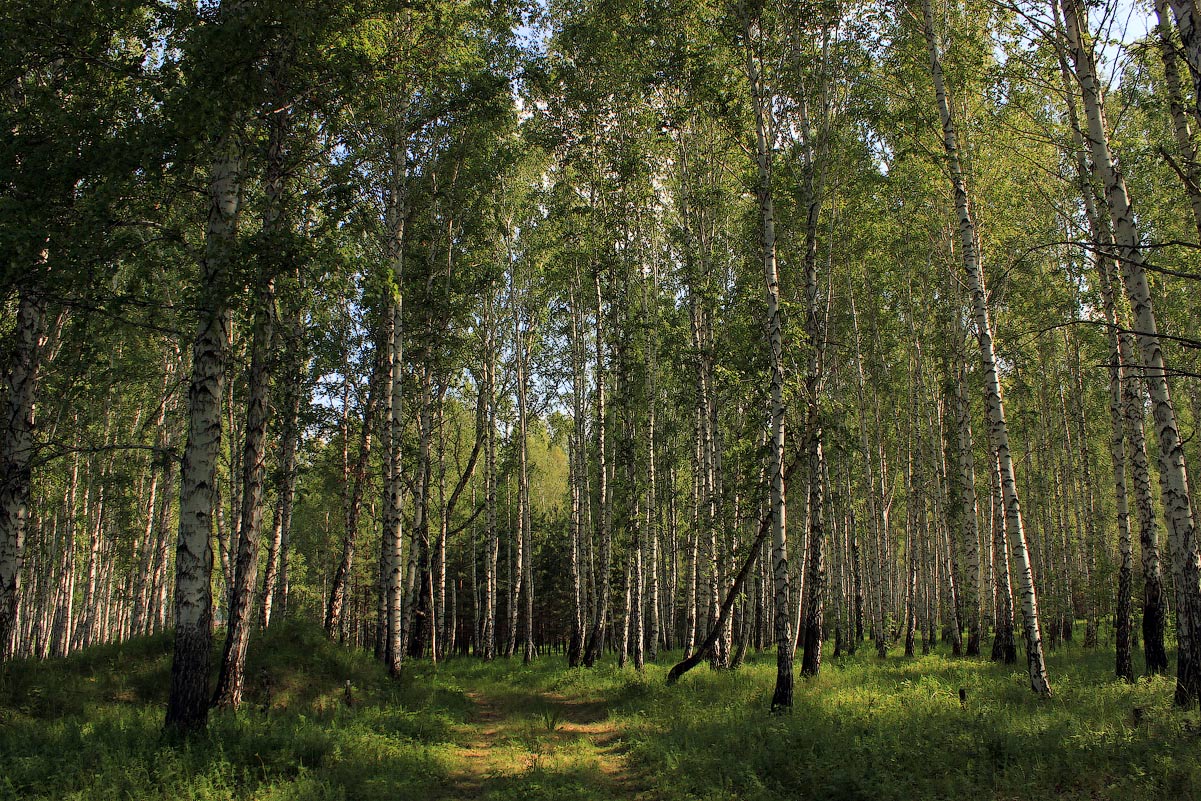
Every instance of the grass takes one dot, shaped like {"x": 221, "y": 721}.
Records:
{"x": 88, "y": 727}
{"x": 896, "y": 730}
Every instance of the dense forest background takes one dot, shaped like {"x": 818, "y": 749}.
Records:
{"x": 475, "y": 327}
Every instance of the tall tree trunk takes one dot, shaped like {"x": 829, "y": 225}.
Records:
{"x": 998, "y": 430}
{"x": 392, "y": 559}
{"x": 64, "y": 588}
{"x": 254, "y": 455}
{"x": 652, "y": 533}
{"x": 188, "y": 702}
{"x": 813, "y": 155}
{"x": 275, "y": 574}
{"x": 1003, "y": 647}
{"x": 877, "y": 518}
{"x": 159, "y": 609}
{"x": 1124, "y": 665}
{"x": 1186, "y": 558}
{"x": 649, "y": 581}
{"x": 912, "y": 557}
{"x": 492, "y": 545}
{"x": 358, "y": 477}
{"x": 578, "y": 465}
{"x": 16, "y": 452}
{"x": 438, "y": 575}
{"x": 634, "y": 578}
{"x": 1087, "y": 493}
{"x": 418, "y": 615}
{"x": 969, "y": 522}
{"x": 231, "y": 680}
{"x": 86, "y": 625}
{"x": 944, "y": 550}
{"x": 595, "y": 645}
{"x": 525, "y": 559}
{"x": 815, "y": 583}
{"x": 764, "y": 136}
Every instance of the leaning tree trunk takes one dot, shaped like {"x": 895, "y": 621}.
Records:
{"x": 998, "y": 430}
{"x": 1173, "y": 475}
{"x": 1126, "y": 425}
{"x": 1154, "y": 602}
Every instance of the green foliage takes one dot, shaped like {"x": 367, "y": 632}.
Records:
{"x": 89, "y": 727}
{"x": 866, "y": 729}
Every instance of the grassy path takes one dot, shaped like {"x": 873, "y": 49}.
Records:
{"x": 519, "y": 742}
{"x": 89, "y": 728}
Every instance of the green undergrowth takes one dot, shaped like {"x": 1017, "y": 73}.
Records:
{"x": 89, "y": 727}
{"x": 865, "y": 729}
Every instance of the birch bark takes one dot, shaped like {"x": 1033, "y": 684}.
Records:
{"x": 16, "y": 452}
{"x": 998, "y": 430}
{"x": 187, "y": 704}
{"x": 1174, "y": 485}
{"x": 764, "y": 140}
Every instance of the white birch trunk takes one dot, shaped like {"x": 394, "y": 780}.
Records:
{"x": 595, "y": 645}
{"x": 764, "y": 136}
{"x": 16, "y": 452}
{"x": 998, "y": 430}
{"x": 1174, "y": 485}
{"x": 187, "y": 705}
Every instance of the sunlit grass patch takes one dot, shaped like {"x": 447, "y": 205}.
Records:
{"x": 89, "y": 727}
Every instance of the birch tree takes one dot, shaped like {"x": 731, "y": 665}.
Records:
{"x": 998, "y": 430}
{"x": 1174, "y": 485}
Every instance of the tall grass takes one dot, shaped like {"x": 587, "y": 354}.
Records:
{"x": 866, "y": 729}
{"x": 89, "y": 727}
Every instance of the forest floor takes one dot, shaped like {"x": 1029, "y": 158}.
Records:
{"x": 512, "y": 737}
{"x": 89, "y": 727}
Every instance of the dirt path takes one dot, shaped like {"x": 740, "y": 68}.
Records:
{"x": 539, "y": 744}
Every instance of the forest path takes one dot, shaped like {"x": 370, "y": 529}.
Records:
{"x": 528, "y": 744}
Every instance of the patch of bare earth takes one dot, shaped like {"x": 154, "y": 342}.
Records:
{"x": 590, "y": 719}
{"x": 498, "y": 746}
